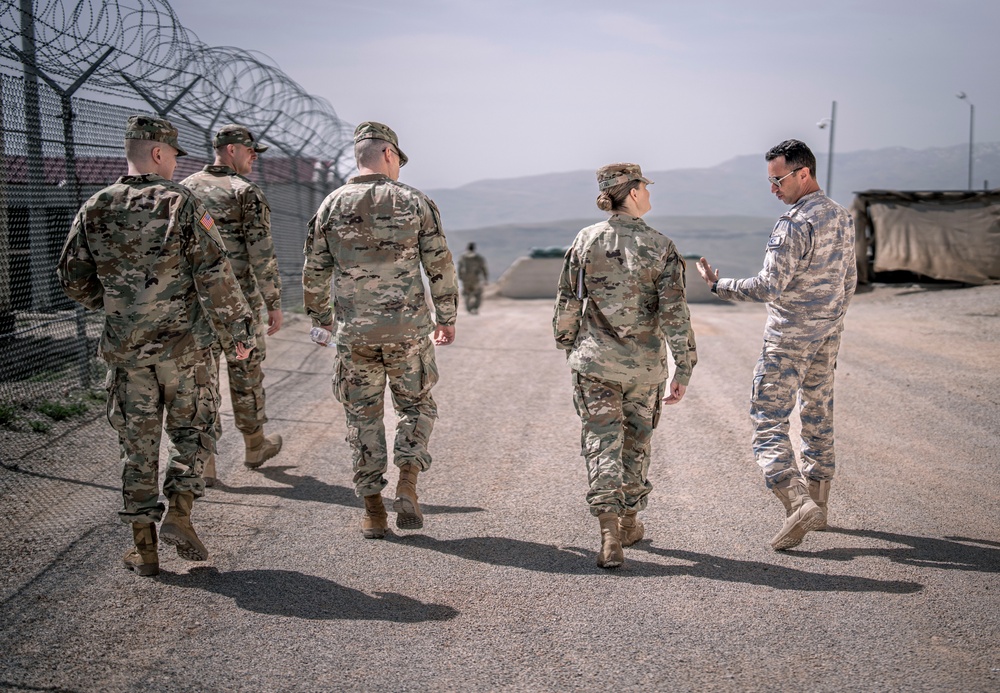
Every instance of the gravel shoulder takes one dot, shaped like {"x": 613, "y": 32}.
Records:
{"x": 500, "y": 589}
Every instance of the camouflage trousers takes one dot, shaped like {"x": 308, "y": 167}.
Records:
{"x": 246, "y": 382}
{"x": 360, "y": 376}
{"x": 472, "y": 294}
{"x": 138, "y": 398}
{"x": 618, "y": 422}
{"x": 786, "y": 373}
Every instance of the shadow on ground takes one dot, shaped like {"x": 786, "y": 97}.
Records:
{"x": 297, "y": 595}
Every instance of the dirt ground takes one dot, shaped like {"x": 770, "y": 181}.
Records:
{"x": 500, "y": 590}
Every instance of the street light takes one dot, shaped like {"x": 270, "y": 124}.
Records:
{"x": 972, "y": 119}
{"x": 831, "y": 121}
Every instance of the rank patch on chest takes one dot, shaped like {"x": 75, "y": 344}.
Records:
{"x": 775, "y": 241}
{"x": 207, "y": 222}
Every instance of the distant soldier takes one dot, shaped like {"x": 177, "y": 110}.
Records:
{"x": 147, "y": 252}
{"x": 807, "y": 281}
{"x": 620, "y": 305}
{"x": 243, "y": 218}
{"x": 472, "y": 272}
{"x": 372, "y": 236}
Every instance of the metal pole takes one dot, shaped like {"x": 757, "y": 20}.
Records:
{"x": 829, "y": 161}
{"x": 972, "y": 118}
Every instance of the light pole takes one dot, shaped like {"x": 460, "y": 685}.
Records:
{"x": 831, "y": 121}
{"x": 972, "y": 120}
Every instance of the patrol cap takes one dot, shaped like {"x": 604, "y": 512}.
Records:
{"x": 370, "y": 130}
{"x": 237, "y": 134}
{"x": 146, "y": 127}
{"x": 615, "y": 174}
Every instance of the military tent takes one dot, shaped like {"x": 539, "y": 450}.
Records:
{"x": 948, "y": 235}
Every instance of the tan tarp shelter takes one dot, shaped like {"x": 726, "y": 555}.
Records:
{"x": 949, "y": 235}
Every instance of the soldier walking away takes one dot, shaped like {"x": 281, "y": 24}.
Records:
{"x": 807, "y": 282}
{"x": 620, "y": 305}
{"x": 372, "y": 236}
{"x": 147, "y": 252}
{"x": 243, "y": 219}
{"x": 473, "y": 275}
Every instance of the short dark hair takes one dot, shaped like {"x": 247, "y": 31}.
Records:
{"x": 796, "y": 153}
{"x": 472, "y": 247}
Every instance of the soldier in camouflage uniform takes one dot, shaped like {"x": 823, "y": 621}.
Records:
{"x": 473, "y": 274}
{"x": 372, "y": 236}
{"x": 620, "y": 305}
{"x": 147, "y": 252}
{"x": 807, "y": 281}
{"x": 243, "y": 218}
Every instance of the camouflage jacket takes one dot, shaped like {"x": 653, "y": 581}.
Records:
{"x": 243, "y": 218}
{"x": 809, "y": 273}
{"x": 371, "y": 236}
{"x": 472, "y": 268}
{"x": 621, "y": 303}
{"x": 147, "y": 252}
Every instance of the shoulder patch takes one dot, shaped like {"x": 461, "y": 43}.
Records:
{"x": 775, "y": 241}
{"x": 207, "y": 222}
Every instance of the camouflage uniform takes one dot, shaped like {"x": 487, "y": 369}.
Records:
{"x": 472, "y": 271}
{"x": 371, "y": 236}
{"x": 147, "y": 252}
{"x": 620, "y": 304}
{"x": 807, "y": 281}
{"x": 243, "y": 218}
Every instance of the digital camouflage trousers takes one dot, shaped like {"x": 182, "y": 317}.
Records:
{"x": 787, "y": 374}
{"x": 138, "y": 399}
{"x": 361, "y": 373}
{"x": 618, "y": 422}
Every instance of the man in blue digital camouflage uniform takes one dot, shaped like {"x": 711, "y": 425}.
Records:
{"x": 807, "y": 281}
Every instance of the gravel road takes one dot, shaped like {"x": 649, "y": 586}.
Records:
{"x": 499, "y": 590}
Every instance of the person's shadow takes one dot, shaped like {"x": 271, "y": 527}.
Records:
{"x": 309, "y": 488}
{"x": 950, "y": 553}
{"x": 297, "y": 595}
{"x": 571, "y": 560}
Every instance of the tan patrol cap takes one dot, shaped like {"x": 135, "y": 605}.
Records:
{"x": 237, "y": 134}
{"x": 370, "y": 130}
{"x": 615, "y": 174}
{"x": 146, "y": 127}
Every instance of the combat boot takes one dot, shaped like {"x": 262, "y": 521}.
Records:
{"x": 260, "y": 448}
{"x": 630, "y": 528}
{"x": 375, "y": 521}
{"x": 177, "y": 530}
{"x": 802, "y": 515}
{"x": 819, "y": 491}
{"x": 611, "y": 554}
{"x": 143, "y": 559}
{"x": 408, "y": 515}
{"x": 209, "y": 474}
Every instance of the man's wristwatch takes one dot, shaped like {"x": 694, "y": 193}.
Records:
{"x": 715, "y": 286}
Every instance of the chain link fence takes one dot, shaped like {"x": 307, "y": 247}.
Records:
{"x": 70, "y": 75}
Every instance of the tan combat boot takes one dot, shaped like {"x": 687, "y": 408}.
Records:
{"x": 630, "y": 528}
{"x": 375, "y": 521}
{"x": 259, "y": 448}
{"x": 802, "y": 515}
{"x": 408, "y": 515}
{"x": 819, "y": 491}
{"x": 143, "y": 559}
{"x": 177, "y": 530}
{"x": 209, "y": 474}
{"x": 611, "y": 554}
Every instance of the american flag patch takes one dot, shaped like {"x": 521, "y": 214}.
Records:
{"x": 207, "y": 221}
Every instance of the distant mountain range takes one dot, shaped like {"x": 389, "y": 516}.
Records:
{"x": 736, "y": 187}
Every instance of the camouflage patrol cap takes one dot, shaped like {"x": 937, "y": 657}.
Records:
{"x": 615, "y": 174}
{"x": 237, "y": 134}
{"x": 146, "y": 127}
{"x": 370, "y": 130}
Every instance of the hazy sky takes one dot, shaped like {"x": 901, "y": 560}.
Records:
{"x": 509, "y": 88}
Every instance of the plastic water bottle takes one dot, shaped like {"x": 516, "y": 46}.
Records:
{"x": 322, "y": 337}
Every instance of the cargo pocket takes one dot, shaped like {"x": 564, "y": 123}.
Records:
{"x": 578, "y": 399}
{"x": 658, "y": 405}
{"x": 206, "y": 405}
{"x": 339, "y": 384}
{"x": 113, "y": 383}
{"x": 428, "y": 368}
